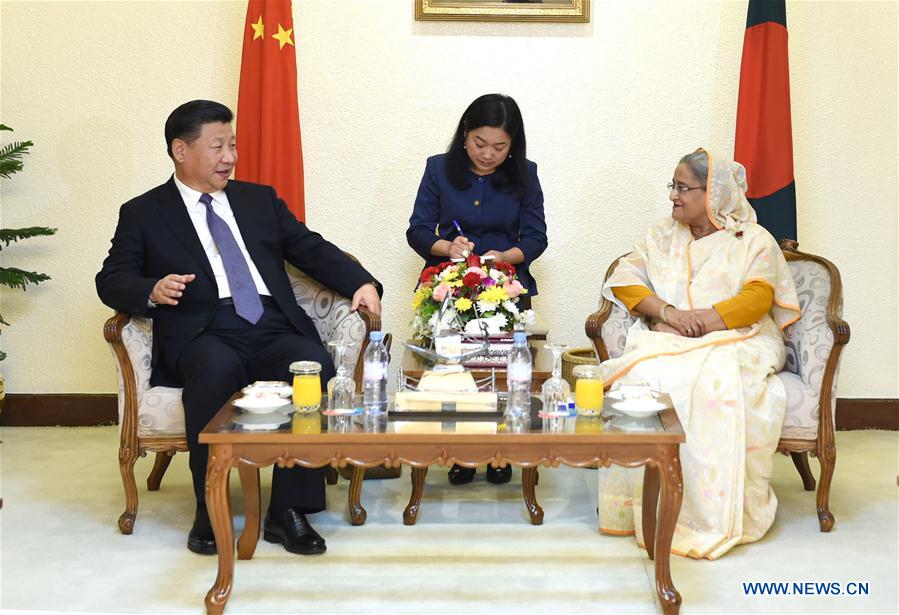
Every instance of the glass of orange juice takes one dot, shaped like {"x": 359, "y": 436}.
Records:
{"x": 587, "y": 390}
{"x": 307, "y": 385}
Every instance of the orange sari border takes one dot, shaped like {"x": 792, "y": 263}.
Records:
{"x": 631, "y": 366}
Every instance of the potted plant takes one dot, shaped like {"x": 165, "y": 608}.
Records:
{"x": 12, "y": 277}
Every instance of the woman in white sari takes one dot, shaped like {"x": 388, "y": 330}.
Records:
{"x": 716, "y": 293}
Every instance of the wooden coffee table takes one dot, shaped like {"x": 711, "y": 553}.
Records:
{"x": 423, "y": 441}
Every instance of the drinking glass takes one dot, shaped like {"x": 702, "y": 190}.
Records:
{"x": 587, "y": 390}
{"x": 341, "y": 388}
{"x": 555, "y": 390}
{"x": 307, "y": 385}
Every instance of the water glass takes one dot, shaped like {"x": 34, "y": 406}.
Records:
{"x": 555, "y": 390}
{"x": 341, "y": 388}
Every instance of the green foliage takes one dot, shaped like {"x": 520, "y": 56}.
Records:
{"x": 11, "y": 163}
{"x": 9, "y": 235}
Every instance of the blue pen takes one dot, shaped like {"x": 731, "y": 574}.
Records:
{"x": 458, "y": 228}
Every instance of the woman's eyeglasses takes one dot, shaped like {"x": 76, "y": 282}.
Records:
{"x": 681, "y": 188}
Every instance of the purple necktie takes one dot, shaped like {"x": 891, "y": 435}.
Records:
{"x": 247, "y": 304}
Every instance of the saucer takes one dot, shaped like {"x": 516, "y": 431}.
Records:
{"x": 620, "y": 395}
{"x": 263, "y": 405}
{"x": 268, "y": 387}
{"x": 638, "y": 407}
{"x": 261, "y": 422}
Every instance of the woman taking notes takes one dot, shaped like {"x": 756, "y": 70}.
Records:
{"x": 482, "y": 197}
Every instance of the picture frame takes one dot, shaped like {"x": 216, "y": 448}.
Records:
{"x": 561, "y": 11}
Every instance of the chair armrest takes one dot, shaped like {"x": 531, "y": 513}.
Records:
{"x": 334, "y": 318}
{"x": 593, "y": 329}
{"x": 803, "y": 337}
{"x": 112, "y": 332}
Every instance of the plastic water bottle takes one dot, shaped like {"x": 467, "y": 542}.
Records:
{"x": 518, "y": 378}
{"x": 374, "y": 376}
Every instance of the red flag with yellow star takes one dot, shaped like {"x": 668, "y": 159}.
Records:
{"x": 268, "y": 116}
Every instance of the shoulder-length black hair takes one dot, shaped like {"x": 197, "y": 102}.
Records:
{"x": 497, "y": 111}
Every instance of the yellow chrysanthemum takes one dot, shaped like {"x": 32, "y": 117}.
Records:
{"x": 455, "y": 284}
{"x": 462, "y": 304}
{"x": 449, "y": 274}
{"x": 494, "y": 294}
{"x": 423, "y": 293}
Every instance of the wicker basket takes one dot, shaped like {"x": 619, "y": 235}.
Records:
{"x": 576, "y": 356}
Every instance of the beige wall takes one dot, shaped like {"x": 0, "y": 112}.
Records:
{"x": 609, "y": 107}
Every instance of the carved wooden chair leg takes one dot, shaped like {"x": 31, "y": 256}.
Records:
{"x": 163, "y": 459}
{"x": 800, "y": 460}
{"x": 126, "y": 467}
{"x": 827, "y": 458}
{"x": 330, "y": 475}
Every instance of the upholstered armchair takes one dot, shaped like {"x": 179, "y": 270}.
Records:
{"x": 814, "y": 344}
{"x": 151, "y": 419}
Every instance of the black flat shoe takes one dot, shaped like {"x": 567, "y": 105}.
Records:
{"x": 291, "y": 529}
{"x": 460, "y": 476}
{"x": 201, "y": 539}
{"x": 498, "y": 476}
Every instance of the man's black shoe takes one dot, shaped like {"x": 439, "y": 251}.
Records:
{"x": 293, "y": 530}
{"x": 201, "y": 539}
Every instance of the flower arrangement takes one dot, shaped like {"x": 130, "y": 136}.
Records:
{"x": 476, "y": 288}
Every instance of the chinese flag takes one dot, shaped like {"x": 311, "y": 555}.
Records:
{"x": 268, "y": 116}
{"x": 764, "y": 139}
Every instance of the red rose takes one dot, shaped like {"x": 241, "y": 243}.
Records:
{"x": 471, "y": 279}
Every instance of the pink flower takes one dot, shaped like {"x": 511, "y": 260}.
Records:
{"x": 513, "y": 288}
{"x": 440, "y": 291}
{"x": 476, "y": 270}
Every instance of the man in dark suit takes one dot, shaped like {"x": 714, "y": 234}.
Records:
{"x": 204, "y": 258}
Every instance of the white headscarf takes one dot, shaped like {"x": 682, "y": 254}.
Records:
{"x": 725, "y": 200}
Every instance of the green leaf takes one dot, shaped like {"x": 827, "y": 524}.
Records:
{"x": 19, "y": 278}
{"x": 11, "y": 157}
{"x": 9, "y": 235}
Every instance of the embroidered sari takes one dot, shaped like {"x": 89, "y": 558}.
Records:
{"x": 722, "y": 384}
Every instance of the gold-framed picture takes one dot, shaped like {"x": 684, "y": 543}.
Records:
{"x": 572, "y": 11}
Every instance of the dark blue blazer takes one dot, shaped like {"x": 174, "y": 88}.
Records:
{"x": 492, "y": 219}
{"x": 155, "y": 237}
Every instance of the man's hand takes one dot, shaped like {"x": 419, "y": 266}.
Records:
{"x": 366, "y": 296}
{"x": 169, "y": 289}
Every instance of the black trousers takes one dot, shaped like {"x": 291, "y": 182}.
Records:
{"x": 228, "y": 355}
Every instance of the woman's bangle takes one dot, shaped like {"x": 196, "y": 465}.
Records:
{"x": 662, "y": 316}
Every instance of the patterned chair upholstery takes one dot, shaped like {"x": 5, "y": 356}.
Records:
{"x": 151, "y": 419}
{"x": 814, "y": 345}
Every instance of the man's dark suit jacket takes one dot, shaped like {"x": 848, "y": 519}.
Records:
{"x": 155, "y": 237}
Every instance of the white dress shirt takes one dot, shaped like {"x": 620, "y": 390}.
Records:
{"x": 220, "y": 205}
